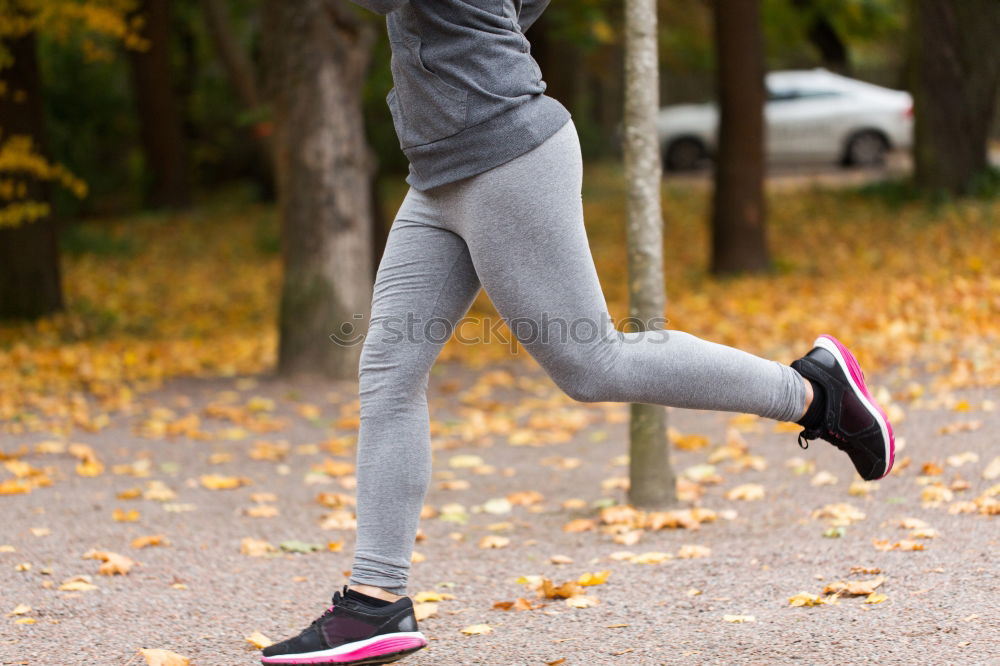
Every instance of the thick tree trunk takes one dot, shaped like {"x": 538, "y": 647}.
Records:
{"x": 739, "y": 233}
{"x": 955, "y": 70}
{"x": 30, "y": 285}
{"x": 652, "y": 481}
{"x": 318, "y": 53}
{"x": 157, "y": 109}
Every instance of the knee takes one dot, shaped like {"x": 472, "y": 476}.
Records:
{"x": 585, "y": 391}
{"x": 392, "y": 365}
{"x": 580, "y": 378}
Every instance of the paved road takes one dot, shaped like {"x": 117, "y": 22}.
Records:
{"x": 785, "y": 176}
{"x": 200, "y": 596}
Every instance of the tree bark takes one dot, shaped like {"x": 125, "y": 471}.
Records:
{"x": 159, "y": 118}
{"x": 739, "y": 233}
{"x": 955, "y": 71}
{"x": 652, "y": 481}
{"x": 30, "y": 285}
{"x": 318, "y": 52}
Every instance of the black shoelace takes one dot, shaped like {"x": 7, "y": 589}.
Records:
{"x": 337, "y": 599}
{"x": 815, "y": 433}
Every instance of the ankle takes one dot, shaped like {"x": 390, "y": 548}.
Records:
{"x": 810, "y": 395}
{"x": 377, "y": 592}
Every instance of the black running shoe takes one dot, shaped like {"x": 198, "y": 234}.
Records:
{"x": 853, "y": 421}
{"x": 352, "y": 632}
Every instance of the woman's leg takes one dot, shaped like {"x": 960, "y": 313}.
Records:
{"x": 523, "y": 223}
{"x": 425, "y": 285}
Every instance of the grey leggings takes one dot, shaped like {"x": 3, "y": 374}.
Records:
{"x": 518, "y": 231}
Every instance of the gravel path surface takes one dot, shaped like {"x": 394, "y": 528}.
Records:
{"x": 200, "y": 596}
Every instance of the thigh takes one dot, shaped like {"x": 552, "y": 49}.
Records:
{"x": 523, "y": 222}
{"x": 424, "y": 286}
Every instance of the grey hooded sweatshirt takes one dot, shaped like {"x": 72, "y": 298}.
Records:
{"x": 468, "y": 96}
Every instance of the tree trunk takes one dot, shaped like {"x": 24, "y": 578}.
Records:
{"x": 159, "y": 120}
{"x": 955, "y": 70}
{"x": 739, "y": 234}
{"x": 30, "y": 285}
{"x": 318, "y": 52}
{"x": 652, "y": 481}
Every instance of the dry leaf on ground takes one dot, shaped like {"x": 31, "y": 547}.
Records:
{"x": 494, "y": 541}
{"x": 113, "y": 563}
{"x": 259, "y": 640}
{"x": 747, "y": 492}
{"x": 854, "y": 588}
{"x": 806, "y": 599}
{"x": 147, "y": 541}
{"x": 424, "y": 610}
{"x": 77, "y": 584}
{"x": 582, "y": 601}
{"x": 596, "y": 578}
{"x": 155, "y": 657}
{"x": 692, "y": 551}
{"x": 221, "y": 482}
{"x": 256, "y": 547}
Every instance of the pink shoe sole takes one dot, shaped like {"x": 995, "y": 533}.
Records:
{"x": 381, "y": 650}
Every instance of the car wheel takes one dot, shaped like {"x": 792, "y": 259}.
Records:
{"x": 684, "y": 155}
{"x": 866, "y": 149}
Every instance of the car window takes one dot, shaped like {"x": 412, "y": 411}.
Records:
{"x": 816, "y": 92}
{"x": 788, "y": 94}
{"x": 781, "y": 95}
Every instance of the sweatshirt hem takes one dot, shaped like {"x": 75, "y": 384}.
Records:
{"x": 482, "y": 147}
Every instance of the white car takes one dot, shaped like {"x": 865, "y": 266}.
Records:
{"x": 812, "y": 115}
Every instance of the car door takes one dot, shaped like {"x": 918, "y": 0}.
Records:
{"x": 802, "y": 124}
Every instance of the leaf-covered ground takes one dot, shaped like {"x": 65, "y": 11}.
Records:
{"x": 187, "y": 515}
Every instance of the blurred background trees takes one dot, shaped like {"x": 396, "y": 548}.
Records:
{"x": 955, "y": 79}
{"x": 157, "y": 103}
{"x": 30, "y": 284}
{"x": 739, "y": 231}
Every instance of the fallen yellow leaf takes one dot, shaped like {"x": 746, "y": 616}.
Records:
{"x": 220, "y": 482}
{"x": 806, "y": 599}
{"x": 582, "y": 601}
{"x": 596, "y": 578}
{"x": 691, "y": 551}
{"x": 155, "y": 657}
{"x": 113, "y": 563}
{"x": 77, "y": 584}
{"x": 259, "y": 640}
{"x": 122, "y": 516}
{"x": 747, "y": 492}
{"x": 147, "y": 541}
